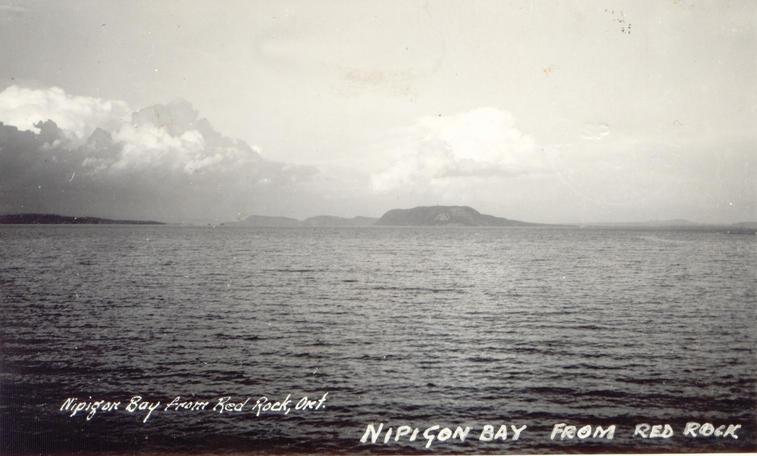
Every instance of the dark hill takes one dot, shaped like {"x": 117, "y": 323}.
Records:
{"x": 54, "y": 219}
{"x": 444, "y": 216}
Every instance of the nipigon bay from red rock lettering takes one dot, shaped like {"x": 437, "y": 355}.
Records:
{"x": 88, "y": 408}
{"x": 439, "y": 434}
{"x": 403, "y": 433}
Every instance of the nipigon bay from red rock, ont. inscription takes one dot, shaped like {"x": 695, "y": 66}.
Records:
{"x": 379, "y": 433}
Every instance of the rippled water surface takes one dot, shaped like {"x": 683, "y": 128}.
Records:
{"x": 419, "y": 326}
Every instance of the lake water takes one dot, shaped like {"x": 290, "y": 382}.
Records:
{"x": 418, "y": 326}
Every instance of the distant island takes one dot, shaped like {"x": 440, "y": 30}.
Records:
{"x": 54, "y": 219}
{"x": 444, "y": 216}
{"x": 467, "y": 216}
{"x": 265, "y": 221}
{"x": 417, "y": 216}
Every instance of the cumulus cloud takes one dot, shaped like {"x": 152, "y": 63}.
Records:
{"x": 594, "y": 131}
{"x": 439, "y": 151}
{"x": 77, "y": 116}
{"x": 87, "y": 156}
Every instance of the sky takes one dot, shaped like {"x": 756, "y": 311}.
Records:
{"x": 555, "y": 112}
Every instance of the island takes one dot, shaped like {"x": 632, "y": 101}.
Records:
{"x": 466, "y": 216}
{"x": 444, "y": 216}
{"x": 417, "y": 216}
{"x": 266, "y": 221}
{"x": 54, "y": 219}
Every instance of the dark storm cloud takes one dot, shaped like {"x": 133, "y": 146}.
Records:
{"x": 163, "y": 161}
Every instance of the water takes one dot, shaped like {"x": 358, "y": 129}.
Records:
{"x": 419, "y": 326}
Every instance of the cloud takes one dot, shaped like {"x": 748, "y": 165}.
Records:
{"x": 87, "y": 156}
{"x": 77, "y": 116}
{"x": 439, "y": 151}
{"x": 594, "y": 131}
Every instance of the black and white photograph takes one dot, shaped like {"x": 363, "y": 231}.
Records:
{"x": 253, "y": 227}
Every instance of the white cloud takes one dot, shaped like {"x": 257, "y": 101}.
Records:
{"x": 439, "y": 150}
{"x": 76, "y": 115}
{"x": 594, "y": 131}
{"x": 148, "y": 146}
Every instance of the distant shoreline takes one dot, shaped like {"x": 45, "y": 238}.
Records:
{"x": 54, "y": 219}
{"x": 257, "y": 221}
